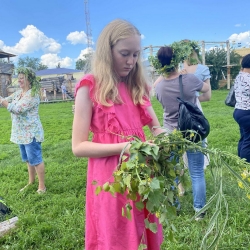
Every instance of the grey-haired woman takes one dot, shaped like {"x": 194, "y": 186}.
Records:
{"x": 27, "y": 130}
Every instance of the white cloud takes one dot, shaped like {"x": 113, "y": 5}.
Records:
{"x": 84, "y": 52}
{"x": 243, "y": 38}
{"x": 1, "y": 44}
{"x": 238, "y": 25}
{"x": 77, "y": 37}
{"x": 142, "y": 36}
{"x": 33, "y": 40}
{"x": 52, "y": 60}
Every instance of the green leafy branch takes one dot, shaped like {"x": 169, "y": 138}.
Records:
{"x": 147, "y": 178}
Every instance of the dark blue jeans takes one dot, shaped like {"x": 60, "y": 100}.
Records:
{"x": 242, "y": 117}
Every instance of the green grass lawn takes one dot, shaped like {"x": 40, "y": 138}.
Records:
{"x": 56, "y": 220}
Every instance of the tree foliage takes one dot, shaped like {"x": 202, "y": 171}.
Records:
{"x": 217, "y": 58}
{"x": 84, "y": 63}
{"x": 31, "y": 62}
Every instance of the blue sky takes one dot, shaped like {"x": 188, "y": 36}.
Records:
{"x": 55, "y": 30}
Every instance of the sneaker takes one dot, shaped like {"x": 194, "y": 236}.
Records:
{"x": 41, "y": 191}
{"x": 200, "y": 216}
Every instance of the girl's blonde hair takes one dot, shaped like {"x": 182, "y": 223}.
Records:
{"x": 103, "y": 66}
{"x": 193, "y": 59}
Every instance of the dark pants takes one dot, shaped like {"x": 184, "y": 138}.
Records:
{"x": 242, "y": 117}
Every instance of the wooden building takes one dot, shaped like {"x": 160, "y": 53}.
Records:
{"x": 6, "y": 70}
{"x": 242, "y": 51}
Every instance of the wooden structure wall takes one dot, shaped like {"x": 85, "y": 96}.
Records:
{"x": 6, "y": 70}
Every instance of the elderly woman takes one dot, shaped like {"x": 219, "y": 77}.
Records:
{"x": 242, "y": 107}
{"x": 27, "y": 130}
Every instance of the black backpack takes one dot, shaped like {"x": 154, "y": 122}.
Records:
{"x": 191, "y": 118}
{"x": 4, "y": 210}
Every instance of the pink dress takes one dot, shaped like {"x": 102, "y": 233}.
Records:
{"x": 106, "y": 228}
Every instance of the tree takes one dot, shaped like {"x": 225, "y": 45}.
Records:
{"x": 58, "y": 66}
{"x": 42, "y": 66}
{"x": 31, "y": 62}
{"x": 217, "y": 58}
{"x": 84, "y": 63}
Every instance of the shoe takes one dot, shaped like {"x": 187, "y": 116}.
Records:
{"x": 200, "y": 216}
{"x": 41, "y": 191}
{"x": 22, "y": 189}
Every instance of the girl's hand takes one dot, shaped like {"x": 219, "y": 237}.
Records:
{"x": 127, "y": 146}
{"x": 183, "y": 72}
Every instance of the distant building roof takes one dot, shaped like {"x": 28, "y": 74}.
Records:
{"x": 56, "y": 71}
{"x": 243, "y": 51}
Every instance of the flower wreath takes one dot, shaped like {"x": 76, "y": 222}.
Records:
{"x": 181, "y": 51}
{"x": 31, "y": 76}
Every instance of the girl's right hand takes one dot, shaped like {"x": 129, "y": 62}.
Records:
{"x": 183, "y": 72}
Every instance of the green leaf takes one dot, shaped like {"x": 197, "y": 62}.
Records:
{"x": 128, "y": 213}
{"x": 139, "y": 205}
{"x": 112, "y": 190}
{"x": 141, "y": 158}
{"x": 155, "y": 184}
{"x": 132, "y": 196}
{"x": 146, "y": 223}
{"x": 135, "y": 145}
{"x": 171, "y": 196}
{"x": 154, "y": 199}
{"x": 162, "y": 218}
{"x": 123, "y": 166}
{"x": 142, "y": 247}
{"x": 170, "y": 235}
{"x": 127, "y": 181}
{"x": 94, "y": 182}
{"x": 105, "y": 186}
{"x": 155, "y": 151}
{"x": 98, "y": 190}
{"x": 146, "y": 148}
{"x": 153, "y": 227}
{"x": 117, "y": 187}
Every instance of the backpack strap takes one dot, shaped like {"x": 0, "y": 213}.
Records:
{"x": 181, "y": 87}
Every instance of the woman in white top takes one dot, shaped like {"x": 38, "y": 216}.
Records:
{"x": 242, "y": 107}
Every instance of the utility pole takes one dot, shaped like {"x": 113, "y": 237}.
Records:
{"x": 228, "y": 64}
{"x": 203, "y": 52}
{"x": 88, "y": 28}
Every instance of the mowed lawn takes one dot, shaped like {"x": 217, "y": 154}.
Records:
{"x": 56, "y": 220}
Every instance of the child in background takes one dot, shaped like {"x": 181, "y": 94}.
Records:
{"x": 45, "y": 99}
{"x": 113, "y": 103}
{"x": 64, "y": 90}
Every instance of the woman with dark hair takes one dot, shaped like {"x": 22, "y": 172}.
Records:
{"x": 167, "y": 90}
{"x": 242, "y": 107}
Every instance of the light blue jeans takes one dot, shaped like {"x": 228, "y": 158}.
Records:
{"x": 195, "y": 166}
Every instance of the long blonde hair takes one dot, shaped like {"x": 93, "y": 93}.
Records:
{"x": 103, "y": 67}
{"x": 193, "y": 59}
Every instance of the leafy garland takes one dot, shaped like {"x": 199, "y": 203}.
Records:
{"x": 31, "y": 76}
{"x": 181, "y": 51}
{"x": 151, "y": 171}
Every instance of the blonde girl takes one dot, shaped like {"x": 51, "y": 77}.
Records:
{"x": 113, "y": 103}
